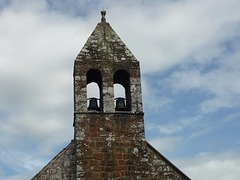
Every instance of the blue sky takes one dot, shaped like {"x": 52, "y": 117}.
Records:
{"x": 189, "y": 53}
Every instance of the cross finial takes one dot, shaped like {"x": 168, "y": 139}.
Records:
{"x": 103, "y": 16}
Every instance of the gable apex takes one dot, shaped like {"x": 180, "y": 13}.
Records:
{"x": 105, "y": 45}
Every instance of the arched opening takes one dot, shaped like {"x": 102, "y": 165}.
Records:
{"x": 122, "y": 94}
{"x": 94, "y": 90}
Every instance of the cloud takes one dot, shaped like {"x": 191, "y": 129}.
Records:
{"x": 166, "y": 145}
{"x": 180, "y": 31}
{"x": 176, "y": 126}
{"x": 153, "y": 100}
{"x": 220, "y": 85}
{"x": 20, "y": 160}
{"x": 40, "y": 40}
{"x": 221, "y": 166}
{"x": 23, "y": 176}
{"x": 18, "y": 165}
{"x": 165, "y": 129}
{"x": 36, "y": 80}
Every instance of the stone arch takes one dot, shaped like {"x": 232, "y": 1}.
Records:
{"x": 95, "y": 76}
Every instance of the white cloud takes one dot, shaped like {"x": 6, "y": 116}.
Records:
{"x": 39, "y": 44}
{"x": 220, "y": 84}
{"x": 166, "y": 145}
{"x": 36, "y": 107}
{"x": 221, "y": 166}
{"x": 231, "y": 118}
{"x": 174, "y": 127}
{"x": 169, "y": 129}
{"x": 173, "y": 33}
{"x": 39, "y": 48}
{"x": 152, "y": 99}
{"x": 20, "y": 160}
{"x": 23, "y": 176}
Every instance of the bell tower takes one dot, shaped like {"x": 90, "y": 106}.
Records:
{"x": 109, "y": 139}
{"x": 106, "y": 60}
{"x": 109, "y": 132}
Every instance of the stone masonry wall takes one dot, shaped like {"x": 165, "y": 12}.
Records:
{"x": 105, "y": 51}
{"x": 107, "y": 70}
{"x": 111, "y": 159}
{"x": 61, "y": 167}
{"x": 161, "y": 168}
{"x": 113, "y": 146}
{"x": 110, "y": 146}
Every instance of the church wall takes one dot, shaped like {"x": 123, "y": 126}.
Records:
{"x": 107, "y": 69}
{"x": 110, "y": 146}
{"x": 109, "y": 143}
{"x": 61, "y": 166}
{"x": 161, "y": 168}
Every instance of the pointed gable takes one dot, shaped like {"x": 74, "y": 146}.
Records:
{"x": 105, "y": 45}
{"x": 109, "y": 142}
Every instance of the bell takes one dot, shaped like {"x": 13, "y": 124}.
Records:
{"x": 120, "y": 104}
{"x": 93, "y": 104}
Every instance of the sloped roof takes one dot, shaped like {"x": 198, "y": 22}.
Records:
{"x": 167, "y": 161}
{"x": 105, "y": 45}
{"x": 62, "y": 166}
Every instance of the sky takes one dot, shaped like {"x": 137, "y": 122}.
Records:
{"x": 189, "y": 52}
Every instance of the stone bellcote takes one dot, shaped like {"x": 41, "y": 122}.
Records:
{"x": 109, "y": 140}
{"x": 106, "y": 60}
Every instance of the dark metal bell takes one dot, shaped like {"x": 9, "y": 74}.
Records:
{"x": 120, "y": 104}
{"x": 93, "y": 104}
